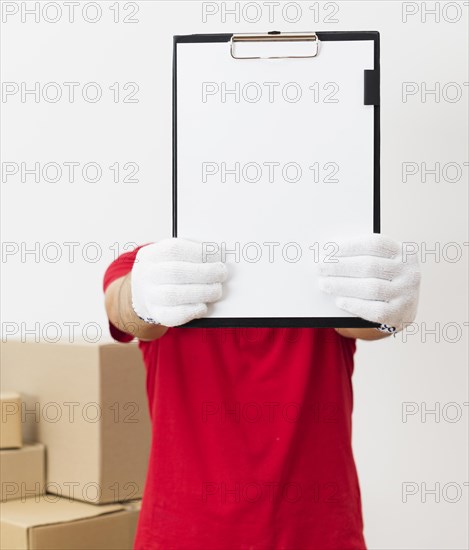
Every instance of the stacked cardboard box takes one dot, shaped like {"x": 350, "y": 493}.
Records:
{"x": 22, "y": 467}
{"x": 10, "y": 420}
{"x": 59, "y": 524}
{"x": 22, "y": 472}
{"x": 84, "y": 406}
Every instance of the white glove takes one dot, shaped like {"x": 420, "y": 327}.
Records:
{"x": 372, "y": 280}
{"x": 171, "y": 282}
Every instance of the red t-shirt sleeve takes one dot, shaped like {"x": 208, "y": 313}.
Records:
{"x": 119, "y": 268}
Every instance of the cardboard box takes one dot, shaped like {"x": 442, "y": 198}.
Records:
{"x": 22, "y": 472}
{"x": 10, "y": 420}
{"x": 55, "y": 523}
{"x": 87, "y": 403}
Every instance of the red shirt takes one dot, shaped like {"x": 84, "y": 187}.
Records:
{"x": 251, "y": 445}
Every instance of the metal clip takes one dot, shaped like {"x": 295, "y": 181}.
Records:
{"x": 276, "y": 36}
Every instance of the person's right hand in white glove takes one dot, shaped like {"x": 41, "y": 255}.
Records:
{"x": 172, "y": 283}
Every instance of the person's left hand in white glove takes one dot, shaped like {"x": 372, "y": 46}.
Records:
{"x": 370, "y": 279}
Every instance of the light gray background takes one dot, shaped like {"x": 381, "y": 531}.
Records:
{"x": 410, "y": 368}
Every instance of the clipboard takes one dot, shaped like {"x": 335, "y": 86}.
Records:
{"x": 241, "y": 138}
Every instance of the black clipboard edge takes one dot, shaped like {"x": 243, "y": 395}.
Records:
{"x": 322, "y": 35}
{"x": 285, "y": 322}
{"x": 281, "y": 322}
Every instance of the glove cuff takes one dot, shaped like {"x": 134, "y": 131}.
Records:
{"x": 386, "y": 328}
{"x": 148, "y": 320}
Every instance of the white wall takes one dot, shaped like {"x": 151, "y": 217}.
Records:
{"x": 411, "y": 371}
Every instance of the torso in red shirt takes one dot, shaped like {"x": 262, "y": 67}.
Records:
{"x": 251, "y": 443}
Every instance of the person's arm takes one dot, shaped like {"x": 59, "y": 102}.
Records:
{"x": 118, "y": 303}
{"x": 362, "y": 333}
